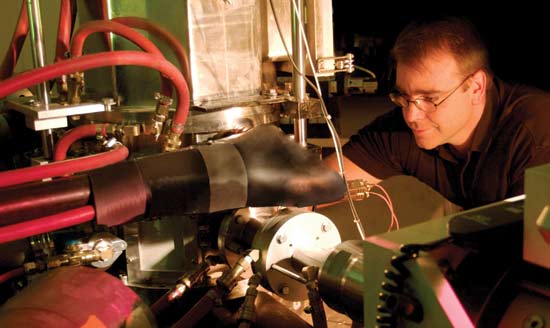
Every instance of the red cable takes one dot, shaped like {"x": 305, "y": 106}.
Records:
{"x": 77, "y": 44}
{"x": 86, "y": 62}
{"x": 56, "y": 169}
{"x": 163, "y": 34}
{"x": 17, "y": 41}
{"x": 46, "y": 224}
{"x": 63, "y": 30}
{"x": 11, "y": 274}
{"x": 63, "y": 145}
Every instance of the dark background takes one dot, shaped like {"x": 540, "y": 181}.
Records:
{"x": 517, "y": 34}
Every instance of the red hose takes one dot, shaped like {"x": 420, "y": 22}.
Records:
{"x": 46, "y": 224}
{"x": 163, "y": 34}
{"x": 11, "y": 274}
{"x": 77, "y": 44}
{"x": 63, "y": 145}
{"x": 17, "y": 41}
{"x": 63, "y": 30}
{"x": 55, "y": 169}
{"x": 86, "y": 62}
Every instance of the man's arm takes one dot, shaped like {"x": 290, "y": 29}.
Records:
{"x": 351, "y": 170}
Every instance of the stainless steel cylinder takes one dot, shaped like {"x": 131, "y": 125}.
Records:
{"x": 280, "y": 238}
{"x": 290, "y": 230}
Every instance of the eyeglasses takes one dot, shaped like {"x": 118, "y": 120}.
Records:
{"x": 426, "y": 105}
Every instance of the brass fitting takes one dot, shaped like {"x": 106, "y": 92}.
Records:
{"x": 75, "y": 88}
{"x": 161, "y": 113}
{"x": 172, "y": 142}
{"x": 359, "y": 189}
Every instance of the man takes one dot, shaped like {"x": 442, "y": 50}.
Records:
{"x": 457, "y": 128}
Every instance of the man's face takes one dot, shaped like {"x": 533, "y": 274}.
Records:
{"x": 453, "y": 121}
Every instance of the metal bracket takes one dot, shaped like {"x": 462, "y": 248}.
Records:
{"x": 39, "y": 117}
{"x": 335, "y": 64}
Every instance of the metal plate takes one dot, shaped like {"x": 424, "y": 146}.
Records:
{"x": 160, "y": 251}
{"x": 231, "y": 118}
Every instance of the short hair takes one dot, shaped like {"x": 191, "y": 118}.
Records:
{"x": 454, "y": 35}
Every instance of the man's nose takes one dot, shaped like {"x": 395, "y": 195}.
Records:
{"x": 411, "y": 113}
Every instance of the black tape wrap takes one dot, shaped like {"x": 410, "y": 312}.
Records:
{"x": 178, "y": 183}
{"x": 228, "y": 182}
{"x": 118, "y": 192}
{"x": 262, "y": 167}
{"x": 281, "y": 172}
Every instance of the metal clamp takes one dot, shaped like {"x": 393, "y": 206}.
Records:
{"x": 335, "y": 64}
{"x": 359, "y": 189}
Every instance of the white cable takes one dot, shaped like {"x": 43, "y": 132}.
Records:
{"x": 332, "y": 129}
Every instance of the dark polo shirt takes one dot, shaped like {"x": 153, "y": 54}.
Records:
{"x": 512, "y": 135}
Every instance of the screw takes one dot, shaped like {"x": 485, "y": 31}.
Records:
{"x": 325, "y": 227}
{"x": 284, "y": 290}
{"x": 281, "y": 238}
{"x": 534, "y": 321}
{"x": 272, "y": 93}
{"x": 108, "y": 102}
{"x": 239, "y": 219}
{"x": 124, "y": 279}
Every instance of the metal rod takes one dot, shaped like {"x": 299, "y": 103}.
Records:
{"x": 298, "y": 81}
{"x": 111, "y": 46}
{"x": 38, "y": 56}
{"x": 300, "y": 131}
{"x": 39, "y": 60}
{"x": 47, "y": 143}
{"x": 288, "y": 273}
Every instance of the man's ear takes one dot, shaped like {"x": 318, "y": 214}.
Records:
{"x": 478, "y": 86}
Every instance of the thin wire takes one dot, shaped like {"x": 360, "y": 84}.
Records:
{"x": 389, "y": 201}
{"x": 393, "y": 218}
{"x": 387, "y": 204}
{"x": 324, "y": 111}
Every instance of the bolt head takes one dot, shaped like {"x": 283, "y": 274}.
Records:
{"x": 325, "y": 227}
{"x": 284, "y": 290}
{"x": 281, "y": 238}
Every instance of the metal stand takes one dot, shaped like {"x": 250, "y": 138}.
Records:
{"x": 315, "y": 308}
{"x": 223, "y": 286}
